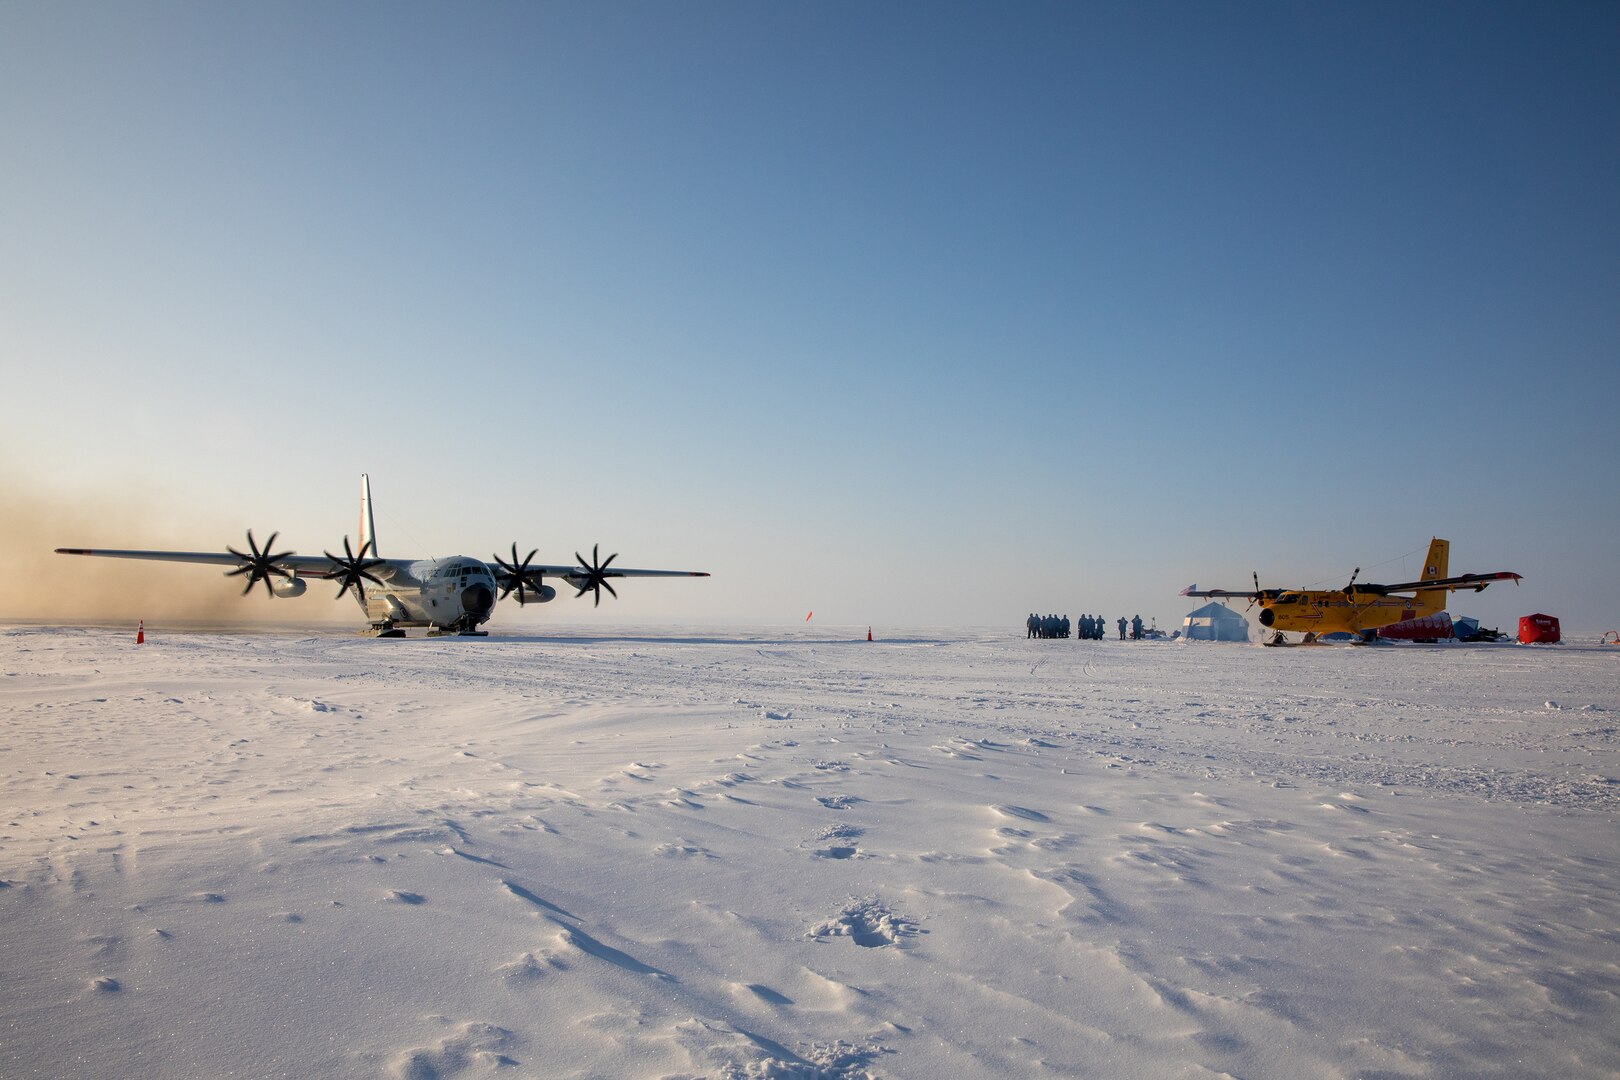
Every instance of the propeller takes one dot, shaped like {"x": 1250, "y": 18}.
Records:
{"x": 515, "y": 575}
{"x": 596, "y": 575}
{"x": 260, "y": 565}
{"x": 354, "y": 569}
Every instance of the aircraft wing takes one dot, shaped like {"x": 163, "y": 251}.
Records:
{"x": 312, "y": 566}
{"x": 1477, "y": 582}
{"x": 308, "y": 565}
{"x": 1194, "y": 590}
{"x": 586, "y": 577}
{"x": 574, "y": 570}
{"x": 319, "y": 566}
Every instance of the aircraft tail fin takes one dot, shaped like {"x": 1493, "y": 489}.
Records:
{"x": 1435, "y": 567}
{"x": 368, "y": 524}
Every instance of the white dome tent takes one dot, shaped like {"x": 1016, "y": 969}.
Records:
{"x": 1215, "y": 622}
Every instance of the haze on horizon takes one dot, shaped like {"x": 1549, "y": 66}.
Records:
{"x": 905, "y": 320}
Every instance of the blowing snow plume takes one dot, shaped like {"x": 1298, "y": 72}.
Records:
{"x": 36, "y": 583}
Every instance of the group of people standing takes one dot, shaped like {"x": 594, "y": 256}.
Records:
{"x": 1088, "y": 628}
{"x": 1047, "y": 626}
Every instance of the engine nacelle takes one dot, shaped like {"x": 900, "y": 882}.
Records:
{"x": 288, "y": 587}
{"x": 543, "y": 595}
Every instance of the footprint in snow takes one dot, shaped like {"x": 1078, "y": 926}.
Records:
{"x": 683, "y": 851}
{"x": 837, "y": 852}
{"x": 867, "y": 922}
{"x": 473, "y": 1044}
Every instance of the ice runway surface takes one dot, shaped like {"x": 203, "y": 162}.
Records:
{"x": 769, "y": 854}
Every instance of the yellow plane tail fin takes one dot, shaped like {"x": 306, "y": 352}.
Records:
{"x": 1435, "y": 567}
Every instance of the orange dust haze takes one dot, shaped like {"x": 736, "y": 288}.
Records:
{"x": 38, "y": 584}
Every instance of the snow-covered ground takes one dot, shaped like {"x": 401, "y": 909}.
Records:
{"x": 775, "y": 854}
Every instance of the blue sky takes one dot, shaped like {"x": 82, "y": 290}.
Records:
{"x": 907, "y": 314}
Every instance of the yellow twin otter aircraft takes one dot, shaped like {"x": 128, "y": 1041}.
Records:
{"x": 1358, "y": 609}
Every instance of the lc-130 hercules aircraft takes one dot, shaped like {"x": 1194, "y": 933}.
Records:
{"x": 1358, "y": 609}
{"x": 449, "y": 595}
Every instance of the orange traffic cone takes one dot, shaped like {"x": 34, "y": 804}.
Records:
{"x": 140, "y": 633}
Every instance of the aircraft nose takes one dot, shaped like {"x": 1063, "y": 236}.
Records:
{"x": 477, "y": 599}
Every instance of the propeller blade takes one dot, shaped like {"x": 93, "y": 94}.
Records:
{"x": 514, "y": 576}
{"x": 258, "y": 564}
{"x": 595, "y": 576}
{"x": 353, "y": 571}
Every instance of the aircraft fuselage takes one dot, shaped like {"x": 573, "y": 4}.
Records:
{"x": 455, "y": 593}
{"x": 1327, "y": 611}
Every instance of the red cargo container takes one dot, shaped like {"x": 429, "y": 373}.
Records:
{"x": 1430, "y": 628}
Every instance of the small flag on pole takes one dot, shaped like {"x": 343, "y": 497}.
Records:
{"x": 807, "y": 617}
